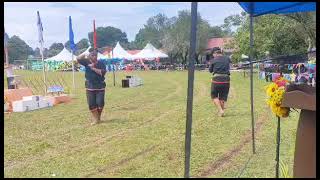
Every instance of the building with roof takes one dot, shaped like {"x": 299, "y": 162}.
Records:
{"x": 219, "y": 43}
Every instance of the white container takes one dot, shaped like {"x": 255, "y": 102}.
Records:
{"x": 23, "y": 105}
{"x": 6, "y": 107}
{"x": 50, "y": 99}
{"x": 33, "y": 98}
{"x": 45, "y": 104}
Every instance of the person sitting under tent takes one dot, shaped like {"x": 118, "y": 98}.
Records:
{"x": 220, "y": 67}
{"x": 94, "y": 73}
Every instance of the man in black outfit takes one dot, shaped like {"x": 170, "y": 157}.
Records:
{"x": 220, "y": 67}
{"x": 95, "y": 86}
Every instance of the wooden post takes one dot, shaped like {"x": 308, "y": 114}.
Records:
{"x": 303, "y": 97}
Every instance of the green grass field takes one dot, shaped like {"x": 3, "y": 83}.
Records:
{"x": 143, "y": 132}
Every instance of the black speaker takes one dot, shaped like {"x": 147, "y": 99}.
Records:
{"x": 125, "y": 83}
{"x": 128, "y": 77}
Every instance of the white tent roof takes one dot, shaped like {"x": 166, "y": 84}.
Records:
{"x": 100, "y": 56}
{"x": 64, "y": 55}
{"x": 150, "y": 52}
{"x": 119, "y": 52}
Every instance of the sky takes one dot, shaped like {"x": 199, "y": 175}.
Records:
{"x": 20, "y": 18}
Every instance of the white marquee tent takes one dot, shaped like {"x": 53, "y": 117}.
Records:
{"x": 64, "y": 55}
{"x": 119, "y": 52}
{"x": 100, "y": 56}
{"x": 150, "y": 52}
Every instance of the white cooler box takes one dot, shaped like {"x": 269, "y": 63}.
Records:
{"x": 135, "y": 81}
{"x": 23, "y": 105}
{"x": 29, "y": 105}
{"x": 33, "y": 98}
{"x": 45, "y": 103}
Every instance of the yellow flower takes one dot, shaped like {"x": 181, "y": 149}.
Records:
{"x": 271, "y": 89}
{"x": 275, "y": 94}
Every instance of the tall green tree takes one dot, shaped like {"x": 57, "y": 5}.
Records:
{"x": 305, "y": 26}
{"x": 233, "y": 21}
{"x": 55, "y": 49}
{"x": 176, "y": 41}
{"x": 108, "y": 36}
{"x": 153, "y": 31}
{"x": 274, "y": 33}
{"x": 18, "y": 49}
{"x": 82, "y": 45}
{"x": 216, "y": 31}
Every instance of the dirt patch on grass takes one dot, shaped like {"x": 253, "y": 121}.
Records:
{"x": 113, "y": 166}
{"x": 226, "y": 159}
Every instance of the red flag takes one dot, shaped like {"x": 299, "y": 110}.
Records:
{"x": 94, "y": 35}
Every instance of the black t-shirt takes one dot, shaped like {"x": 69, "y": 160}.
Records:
{"x": 94, "y": 80}
{"x": 220, "y": 65}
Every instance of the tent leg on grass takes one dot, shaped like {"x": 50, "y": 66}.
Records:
{"x": 251, "y": 80}
{"x": 278, "y": 148}
{"x": 190, "y": 88}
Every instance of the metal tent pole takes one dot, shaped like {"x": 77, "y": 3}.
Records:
{"x": 190, "y": 88}
{"x": 278, "y": 148}
{"x": 73, "y": 82}
{"x": 251, "y": 75}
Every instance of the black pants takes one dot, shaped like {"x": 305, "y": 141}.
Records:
{"x": 95, "y": 99}
{"x": 220, "y": 91}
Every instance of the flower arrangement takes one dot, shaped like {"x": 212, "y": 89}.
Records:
{"x": 275, "y": 92}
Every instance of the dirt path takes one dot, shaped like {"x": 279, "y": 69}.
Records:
{"x": 114, "y": 166}
{"x": 226, "y": 159}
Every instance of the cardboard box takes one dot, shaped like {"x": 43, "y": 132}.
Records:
{"x": 15, "y": 95}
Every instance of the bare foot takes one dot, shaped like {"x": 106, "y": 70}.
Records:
{"x": 221, "y": 113}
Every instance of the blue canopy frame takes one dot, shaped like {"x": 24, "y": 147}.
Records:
{"x": 261, "y": 8}
{"x": 254, "y": 9}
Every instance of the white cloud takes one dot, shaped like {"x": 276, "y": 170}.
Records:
{"x": 20, "y": 18}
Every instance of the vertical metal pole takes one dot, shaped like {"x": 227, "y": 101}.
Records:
{"x": 114, "y": 76}
{"x": 44, "y": 74}
{"x": 251, "y": 79}
{"x": 190, "y": 88}
{"x": 7, "y": 58}
{"x": 278, "y": 148}
{"x": 73, "y": 83}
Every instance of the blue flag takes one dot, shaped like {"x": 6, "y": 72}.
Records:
{"x": 73, "y": 47}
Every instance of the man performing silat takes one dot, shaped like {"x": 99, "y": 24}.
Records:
{"x": 95, "y": 86}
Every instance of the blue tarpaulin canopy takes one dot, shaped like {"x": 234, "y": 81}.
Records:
{"x": 261, "y": 8}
